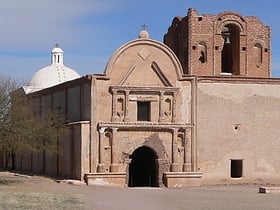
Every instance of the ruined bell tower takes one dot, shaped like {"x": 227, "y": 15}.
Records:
{"x": 227, "y": 44}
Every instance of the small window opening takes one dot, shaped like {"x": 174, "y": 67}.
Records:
{"x": 236, "y": 168}
{"x": 199, "y": 18}
{"x": 143, "y": 111}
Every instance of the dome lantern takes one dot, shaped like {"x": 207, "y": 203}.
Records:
{"x": 57, "y": 55}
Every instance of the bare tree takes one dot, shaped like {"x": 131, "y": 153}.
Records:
{"x": 21, "y": 129}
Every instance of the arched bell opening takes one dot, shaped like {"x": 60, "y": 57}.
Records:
{"x": 231, "y": 49}
{"x": 143, "y": 169}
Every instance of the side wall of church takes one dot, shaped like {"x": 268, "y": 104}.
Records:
{"x": 72, "y": 157}
{"x": 238, "y": 123}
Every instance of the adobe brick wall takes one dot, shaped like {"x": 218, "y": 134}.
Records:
{"x": 195, "y": 34}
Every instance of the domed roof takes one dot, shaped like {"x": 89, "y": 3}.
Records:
{"x": 53, "y": 74}
{"x": 57, "y": 49}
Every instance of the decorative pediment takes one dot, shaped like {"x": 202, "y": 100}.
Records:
{"x": 146, "y": 75}
{"x": 144, "y": 62}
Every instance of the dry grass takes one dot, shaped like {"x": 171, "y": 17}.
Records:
{"x": 37, "y": 200}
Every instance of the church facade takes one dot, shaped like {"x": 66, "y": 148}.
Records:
{"x": 200, "y": 108}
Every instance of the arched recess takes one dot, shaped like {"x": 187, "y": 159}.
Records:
{"x": 258, "y": 54}
{"x": 230, "y": 56}
{"x": 202, "y": 48}
{"x": 143, "y": 169}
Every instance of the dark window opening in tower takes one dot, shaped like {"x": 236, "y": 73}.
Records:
{"x": 230, "y": 52}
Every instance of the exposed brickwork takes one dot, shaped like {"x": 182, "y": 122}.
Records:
{"x": 199, "y": 41}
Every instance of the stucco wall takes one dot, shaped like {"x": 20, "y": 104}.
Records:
{"x": 238, "y": 121}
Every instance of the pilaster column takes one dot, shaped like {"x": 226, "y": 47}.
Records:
{"x": 187, "y": 152}
{"x": 114, "y": 106}
{"x": 126, "y": 117}
{"x": 174, "y": 105}
{"x": 175, "y": 164}
{"x": 101, "y": 165}
{"x": 114, "y": 151}
{"x": 161, "y": 103}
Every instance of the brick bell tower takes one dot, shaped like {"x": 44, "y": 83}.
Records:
{"x": 227, "y": 44}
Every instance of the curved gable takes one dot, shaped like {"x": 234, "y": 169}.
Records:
{"x": 144, "y": 62}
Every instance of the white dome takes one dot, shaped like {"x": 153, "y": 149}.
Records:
{"x": 53, "y": 74}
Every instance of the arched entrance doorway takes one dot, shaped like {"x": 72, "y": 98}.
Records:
{"x": 143, "y": 169}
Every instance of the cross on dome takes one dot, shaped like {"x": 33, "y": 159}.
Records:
{"x": 144, "y": 27}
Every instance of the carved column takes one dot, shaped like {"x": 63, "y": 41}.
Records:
{"x": 175, "y": 164}
{"x": 174, "y": 105}
{"x": 114, "y": 151}
{"x": 101, "y": 165}
{"x": 187, "y": 152}
{"x": 161, "y": 103}
{"x": 114, "y": 106}
{"x": 126, "y": 117}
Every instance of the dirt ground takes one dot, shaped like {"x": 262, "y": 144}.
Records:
{"x": 34, "y": 192}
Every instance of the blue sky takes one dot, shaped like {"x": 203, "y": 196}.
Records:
{"x": 89, "y": 31}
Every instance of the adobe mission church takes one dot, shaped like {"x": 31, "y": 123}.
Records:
{"x": 199, "y": 108}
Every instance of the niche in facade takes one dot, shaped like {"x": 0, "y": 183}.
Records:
{"x": 258, "y": 54}
{"x": 202, "y": 52}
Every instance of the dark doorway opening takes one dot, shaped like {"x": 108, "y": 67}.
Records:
{"x": 236, "y": 168}
{"x": 143, "y": 170}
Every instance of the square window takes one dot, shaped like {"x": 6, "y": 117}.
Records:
{"x": 143, "y": 111}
